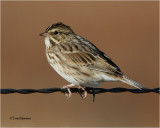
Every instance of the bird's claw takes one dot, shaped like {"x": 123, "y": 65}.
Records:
{"x": 84, "y": 93}
{"x": 67, "y": 94}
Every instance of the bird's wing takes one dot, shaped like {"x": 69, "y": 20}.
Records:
{"x": 83, "y": 54}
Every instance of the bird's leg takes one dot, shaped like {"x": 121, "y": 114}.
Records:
{"x": 68, "y": 94}
{"x": 84, "y": 93}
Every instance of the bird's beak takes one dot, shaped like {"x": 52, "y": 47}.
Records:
{"x": 44, "y": 34}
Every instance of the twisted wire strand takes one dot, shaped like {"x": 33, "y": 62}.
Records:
{"x": 77, "y": 90}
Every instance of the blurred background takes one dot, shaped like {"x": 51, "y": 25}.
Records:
{"x": 126, "y": 31}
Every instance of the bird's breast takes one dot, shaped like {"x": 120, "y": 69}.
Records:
{"x": 79, "y": 75}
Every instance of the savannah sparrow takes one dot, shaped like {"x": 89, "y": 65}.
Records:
{"x": 79, "y": 61}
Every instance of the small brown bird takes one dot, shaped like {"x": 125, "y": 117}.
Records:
{"x": 79, "y": 61}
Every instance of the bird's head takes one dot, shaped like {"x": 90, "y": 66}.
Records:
{"x": 58, "y": 33}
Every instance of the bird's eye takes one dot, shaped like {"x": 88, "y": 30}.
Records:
{"x": 55, "y": 32}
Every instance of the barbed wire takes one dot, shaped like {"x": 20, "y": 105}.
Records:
{"x": 78, "y": 90}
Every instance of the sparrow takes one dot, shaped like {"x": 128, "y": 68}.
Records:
{"x": 79, "y": 61}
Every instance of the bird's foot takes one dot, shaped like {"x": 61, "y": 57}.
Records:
{"x": 68, "y": 94}
{"x": 84, "y": 93}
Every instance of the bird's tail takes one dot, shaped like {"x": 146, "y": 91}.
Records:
{"x": 132, "y": 82}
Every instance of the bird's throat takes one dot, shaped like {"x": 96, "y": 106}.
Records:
{"x": 50, "y": 42}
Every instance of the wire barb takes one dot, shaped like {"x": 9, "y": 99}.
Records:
{"x": 76, "y": 90}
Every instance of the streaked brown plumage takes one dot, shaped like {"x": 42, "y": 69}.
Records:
{"x": 79, "y": 61}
